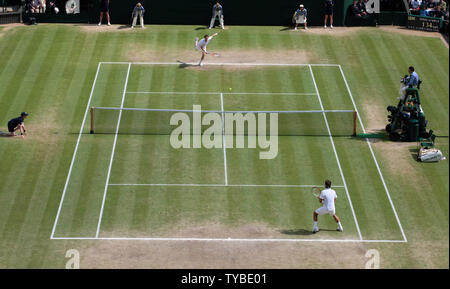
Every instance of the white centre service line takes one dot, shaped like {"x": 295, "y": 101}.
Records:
{"x": 223, "y": 140}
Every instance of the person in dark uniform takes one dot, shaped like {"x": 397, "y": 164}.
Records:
{"x": 17, "y": 124}
{"x": 329, "y": 13}
{"x": 104, "y": 8}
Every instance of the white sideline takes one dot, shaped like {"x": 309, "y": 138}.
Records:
{"x": 220, "y": 185}
{"x": 279, "y": 240}
{"x": 335, "y": 154}
{"x": 373, "y": 155}
{"x": 223, "y": 140}
{"x": 75, "y": 151}
{"x": 112, "y": 153}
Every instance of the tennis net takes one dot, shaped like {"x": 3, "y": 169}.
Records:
{"x": 105, "y": 120}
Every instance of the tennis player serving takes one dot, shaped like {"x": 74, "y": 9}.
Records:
{"x": 201, "y": 45}
{"x": 327, "y": 197}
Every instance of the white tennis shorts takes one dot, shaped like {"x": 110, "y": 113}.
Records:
{"x": 199, "y": 48}
{"x": 300, "y": 19}
{"x": 323, "y": 211}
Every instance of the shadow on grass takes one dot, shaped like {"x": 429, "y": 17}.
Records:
{"x": 286, "y": 28}
{"x": 184, "y": 64}
{"x": 302, "y": 232}
{"x": 414, "y": 153}
{"x": 201, "y": 28}
{"x": 124, "y": 27}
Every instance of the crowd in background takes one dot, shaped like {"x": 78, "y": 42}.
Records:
{"x": 431, "y": 8}
{"x": 52, "y": 6}
{"x": 359, "y": 8}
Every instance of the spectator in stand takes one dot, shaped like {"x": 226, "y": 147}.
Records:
{"x": 414, "y": 7}
{"x": 362, "y": 7}
{"x": 36, "y": 6}
{"x": 443, "y": 5}
{"x": 355, "y": 9}
{"x": 71, "y": 7}
{"x": 438, "y": 13}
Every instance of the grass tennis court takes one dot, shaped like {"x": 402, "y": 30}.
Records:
{"x": 124, "y": 192}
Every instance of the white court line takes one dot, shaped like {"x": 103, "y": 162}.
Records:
{"x": 112, "y": 153}
{"x": 223, "y": 140}
{"x": 224, "y": 63}
{"x": 75, "y": 152}
{"x": 373, "y": 156}
{"x": 215, "y": 93}
{"x": 220, "y": 185}
{"x": 335, "y": 153}
{"x": 230, "y": 240}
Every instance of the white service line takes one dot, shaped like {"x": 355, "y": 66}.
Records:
{"x": 336, "y": 155}
{"x": 373, "y": 156}
{"x": 280, "y": 240}
{"x": 75, "y": 151}
{"x": 215, "y": 93}
{"x": 220, "y": 185}
{"x": 224, "y": 145}
{"x": 112, "y": 153}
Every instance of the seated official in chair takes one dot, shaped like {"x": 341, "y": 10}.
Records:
{"x": 411, "y": 81}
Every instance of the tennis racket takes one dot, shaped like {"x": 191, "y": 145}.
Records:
{"x": 315, "y": 191}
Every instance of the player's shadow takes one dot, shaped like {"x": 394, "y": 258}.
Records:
{"x": 286, "y": 28}
{"x": 201, "y": 28}
{"x": 301, "y": 232}
{"x": 185, "y": 64}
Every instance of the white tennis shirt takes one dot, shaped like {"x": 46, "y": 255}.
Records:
{"x": 328, "y": 196}
{"x": 203, "y": 43}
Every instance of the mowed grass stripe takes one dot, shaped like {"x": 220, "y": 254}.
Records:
{"x": 18, "y": 89}
{"x": 71, "y": 67}
{"x": 12, "y": 175}
{"x": 11, "y": 47}
{"x": 45, "y": 157}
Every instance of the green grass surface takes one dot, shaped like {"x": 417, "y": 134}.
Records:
{"x": 50, "y": 73}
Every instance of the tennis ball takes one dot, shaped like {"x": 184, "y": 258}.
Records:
{"x": 231, "y": 89}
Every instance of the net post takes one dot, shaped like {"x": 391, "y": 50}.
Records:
{"x": 92, "y": 120}
{"x": 355, "y": 116}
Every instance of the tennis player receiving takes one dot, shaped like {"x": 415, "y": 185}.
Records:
{"x": 201, "y": 45}
{"x": 327, "y": 197}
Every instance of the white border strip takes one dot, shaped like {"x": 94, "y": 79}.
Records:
{"x": 335, "y": 153}
{"x": 112, "y": 154}
{"x": 231, "y": 240}
{"x": 219, "y": 185}
{"x": 75, "y": 151}
{"x": 373, "y": 156}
